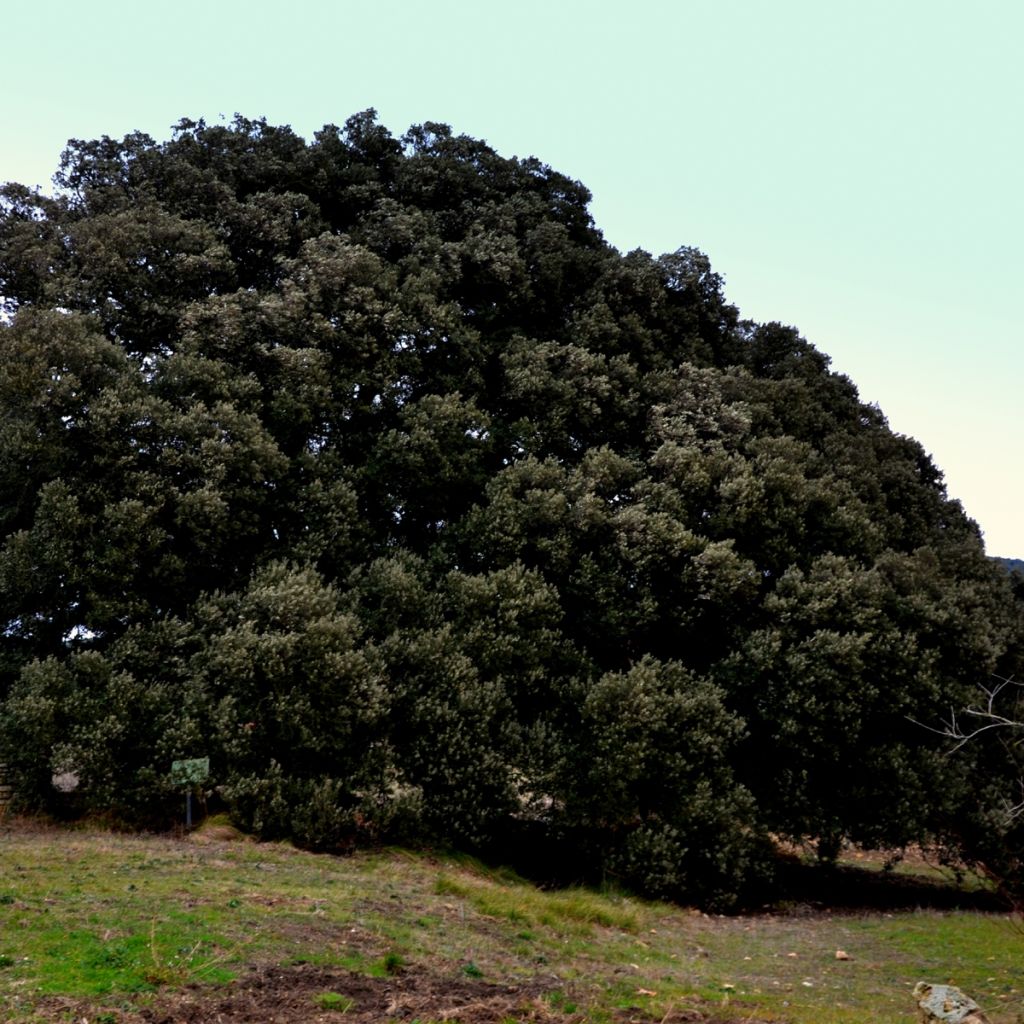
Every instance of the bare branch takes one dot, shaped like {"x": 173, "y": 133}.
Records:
{"x": 991, "y": 720}
{"x": 953, "y": 730}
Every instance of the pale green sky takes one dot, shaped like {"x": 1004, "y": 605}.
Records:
{"x": 852, "y": 168}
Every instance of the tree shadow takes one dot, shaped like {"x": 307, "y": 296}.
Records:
{"x": 851, "y": 888}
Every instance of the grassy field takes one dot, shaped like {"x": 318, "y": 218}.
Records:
{"x": 101, "y": 927}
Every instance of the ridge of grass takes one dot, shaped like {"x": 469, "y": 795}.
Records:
{"x": 95, "y": 915}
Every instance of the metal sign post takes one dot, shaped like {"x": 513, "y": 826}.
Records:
{"x": 190, "y": 773}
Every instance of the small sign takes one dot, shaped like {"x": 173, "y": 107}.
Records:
{"x": 191, "y": 772}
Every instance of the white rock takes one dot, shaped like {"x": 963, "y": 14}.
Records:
{"x": 947, "y": 1004}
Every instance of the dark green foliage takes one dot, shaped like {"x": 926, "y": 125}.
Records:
{"x": 365, "y": 468}
{"x": 648, "y": 777}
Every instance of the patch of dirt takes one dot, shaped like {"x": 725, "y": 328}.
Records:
{"x": 294, "y": 995}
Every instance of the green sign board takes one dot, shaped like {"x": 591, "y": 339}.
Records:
{"x": 191, "y": 772}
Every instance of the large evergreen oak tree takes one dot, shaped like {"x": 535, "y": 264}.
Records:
{"x": 366, "y": 468}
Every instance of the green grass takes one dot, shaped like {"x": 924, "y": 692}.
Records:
{"x": 334, "y": 1001}
{"x": 569, "y": 911}
{"x": 102, "y": 917}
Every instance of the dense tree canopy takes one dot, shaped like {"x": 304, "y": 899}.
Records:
{"x": 367, "y": 469}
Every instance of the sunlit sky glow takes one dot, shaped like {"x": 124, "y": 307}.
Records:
{"x": 852, "y": 168}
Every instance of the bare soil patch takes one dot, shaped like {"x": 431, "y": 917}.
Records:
{"x": 295, "y": 995}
